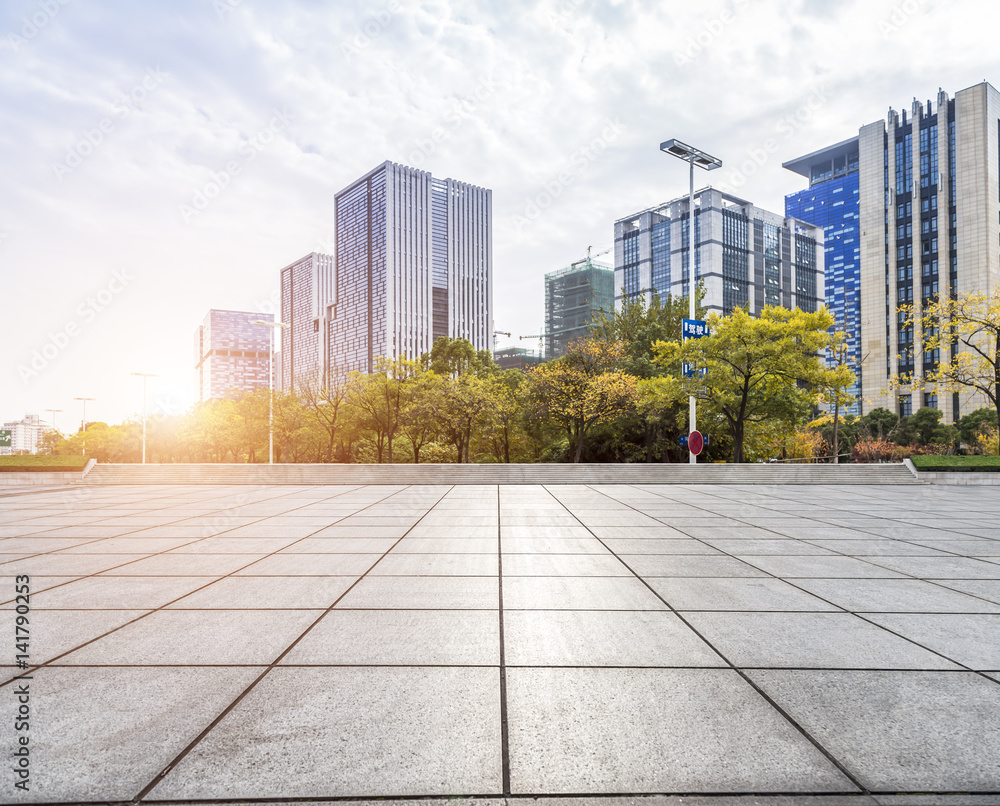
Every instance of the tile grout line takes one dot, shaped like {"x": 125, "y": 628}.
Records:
{"x": 504, "y": 729}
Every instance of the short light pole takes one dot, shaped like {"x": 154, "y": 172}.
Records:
{"x": 693, "y": 157}
{"x": 144, "y": 375}
{"x": 270, "y": 386}
{"x": 83, "y": 452}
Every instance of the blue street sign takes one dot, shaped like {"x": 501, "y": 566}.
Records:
{"x": 694, "y": 328}
{"x": 689, "y": 371}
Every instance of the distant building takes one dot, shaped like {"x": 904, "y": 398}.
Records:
{"x": 231, "y": 353}
{"x": 832, "y": 202}
{"x": 516, "y": 358}
{"x": 25, "y": 435}
{"x": 414, "y": 262}
{"x": 308, "y": 292}
{"x": 746, "y": 256}
{"x": 928, "y": 206}
{"x": 574, "y": 300}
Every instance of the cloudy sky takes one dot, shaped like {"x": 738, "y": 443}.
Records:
{"x": 162, "y": 159}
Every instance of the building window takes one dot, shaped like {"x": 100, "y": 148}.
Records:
{"x": 930, "y": 400}
{"x": 905, "y": 406}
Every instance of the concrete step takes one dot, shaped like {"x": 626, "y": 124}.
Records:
{"x": 306, "y": 474}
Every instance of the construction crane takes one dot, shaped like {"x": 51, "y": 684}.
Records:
{"x": 541, "y": 340}
{"x": 499, "y": 333}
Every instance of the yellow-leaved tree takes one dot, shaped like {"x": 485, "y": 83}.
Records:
{"x": 959, "y": 343}
{"x": 583, "y": 388}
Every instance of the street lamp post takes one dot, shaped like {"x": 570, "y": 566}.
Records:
{"x": 693, "y": 157}
{"x": 270, "y": 386}
{"x": 54, "y": 413}
{"x": 144, "y": 375}
{"x": 84, "y": 399}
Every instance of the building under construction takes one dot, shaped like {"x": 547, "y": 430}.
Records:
{"x": 574, "y": 299}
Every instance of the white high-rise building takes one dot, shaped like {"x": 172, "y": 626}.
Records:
{"x": 307, "y": 297}
{"x": 414, "y": 261}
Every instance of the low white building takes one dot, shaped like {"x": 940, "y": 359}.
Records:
{"x": 25, "y": 435}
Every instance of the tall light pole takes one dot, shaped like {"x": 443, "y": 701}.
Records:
{"x": 144, "y": 375}
{"x": 84, "y": 399}
{"x": 270, "y": 386}
{"x": 54, "y": 413}
{"x": 693, "y": 157}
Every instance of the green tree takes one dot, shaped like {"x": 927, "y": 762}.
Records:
{"x": 763, "y": 370}
{"x": 972, "y": 424}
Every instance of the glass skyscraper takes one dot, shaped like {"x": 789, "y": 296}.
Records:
{"x": 744, "y": 255}
{"x": 928, "y": 206}
{"x": 414, "y": 261}
{"x": 831, "y": 201}
{"x": 307, "y": 287}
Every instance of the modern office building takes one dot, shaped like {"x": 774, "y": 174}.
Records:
{"x": 414, "y": 261}
{"x": 929, "y": 221}
{"x": 307, "y": 297}
{"x": 832, "y": 202}
{"x": 24, "y": 435}
{"x": 575, "y": 297}
{"x": 744, "y": 255}
{"x": 231, "y": 354}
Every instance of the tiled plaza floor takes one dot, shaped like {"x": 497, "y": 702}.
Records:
{"x": 728, "y": 644}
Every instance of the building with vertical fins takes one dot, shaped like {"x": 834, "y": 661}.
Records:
{"x": 831, "y": 201}
{"x": 231, "y": 354}
{"x": 308, "y": 291}
{"x": 574, "y": 300}
{"x": 414, "y": 262}
{"x": 929, "y": 223}
{"x": 744, "y": 255}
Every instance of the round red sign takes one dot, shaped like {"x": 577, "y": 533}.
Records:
{"x": 695, "y": 442}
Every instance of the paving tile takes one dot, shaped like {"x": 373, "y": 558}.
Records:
{"x": 820, "y": 567}
{"x": 361, "y": 531}
{"x": 41, "y": 545}
{"x": 180, "y": 565}
{"x": 652, "y": 565}
{"x": 939, "y": 567}
{"x": 638, "y": 532}
{"x": 467, "y": 565}
{"x": 809, "y": 641}
{"x": 100, "y": 735}
{"x": 988, "y": 589}
{"x": 447, "y": 545}
{"x": 53, "y": 632}
{"x": 899, "y": 731}
{"x": 602, "y": 638}
{"x": 895, "y": 596}
{"x": 65, "y": 564}
{"x": 578, "y": 593}
{"x": 875, "y": 547}
{"x": 334, "y": 545}
{"x": 420, "y": 530}
{"x": 130, "y": 545}
{"x": 680, "y": 545}
{"x": 550, "y": 545}
{"x": 548, "y": 565}
{"x": 575, "y": 530}
{"x": 435, "y": 593}
{"x": 279, "y": 565}
{"x": 116, "y": 593}
{"x": 741, "y": 547}
{"x": 654, "y": 730}
{"x": 401, "y": 637}
{"x": 197, "y": 637}
{"x": 967, "y": 639}
{"x": 267, "y": 593}
{"x": 736, "y": 594}
{"x": 329, "y": 732}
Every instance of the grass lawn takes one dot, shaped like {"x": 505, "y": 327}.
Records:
{"x": 957, "y": 463}
{"x": 40, "y": 464}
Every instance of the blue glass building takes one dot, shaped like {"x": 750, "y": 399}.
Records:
{"x": 831, "y": 201}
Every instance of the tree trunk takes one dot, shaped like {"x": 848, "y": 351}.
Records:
{"x": 836, "y": 440}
